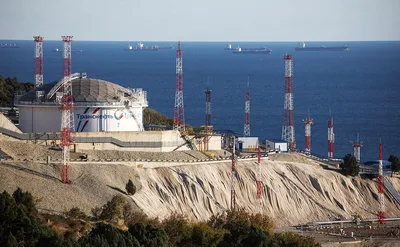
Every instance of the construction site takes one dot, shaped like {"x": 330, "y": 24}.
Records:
{"x": 79, "y": 140}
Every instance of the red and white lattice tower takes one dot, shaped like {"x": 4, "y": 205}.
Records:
{"x": 246, "y": 131}
{"x": 307, "y": 124}
{"x": 331, "y": 138}
{"x": 288, "y": 122}
{"x": 179, "y": 118}
{"x": 233, "y": 182}
{"x": 67, "y": 107}
{"x": 38, "y": 60}
{"x": 357, "y": 148}
{"x": 259, "y": 182}
{"x": 381, "y": 190}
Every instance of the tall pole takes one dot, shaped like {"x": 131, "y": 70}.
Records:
{"x": 179, "y": 119}
{"x": 381, "y": 190}
{"x": 308, "y": 122}
{"x": 67, "y": 114}
{"x": 259, "y": 181}
{"x": 208, "y": 117}
{"x": 233, "y": 182}
{"x": 38, "y": 60}
{"x": 288, "y": 121}
{"x": 357, "y": 148}
{"x": 331, "y": 138}
{"x": 246, "y": 131}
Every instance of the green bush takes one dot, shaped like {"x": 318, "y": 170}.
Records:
{"x": 350, "y": 166}
{"x": 130, "y": 188}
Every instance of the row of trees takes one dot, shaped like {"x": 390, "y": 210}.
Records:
{"x": 22, "y": 225}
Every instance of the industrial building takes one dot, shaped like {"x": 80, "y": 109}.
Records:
{"x": 249, "y": 144}
{"x": 276, "y": 145}
{"x": 99, "y": 106}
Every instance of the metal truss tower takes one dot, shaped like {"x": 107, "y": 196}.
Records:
{"x": 233, "y": 183}
{"x": 179, "y": 118}
{"x": 38, "y": 60}
{"x": 288, "y": 122}
{"x": 331, "y": 137}
{"x": 259, "y": 182}
{"x": 246, "y": 131}
{"x": 67, "y": 108}
{"x": 208, "y": 106}
{"x": 357, "y": 148}
{"x": 307, "y": 123}
{"x": 381, "y": 190}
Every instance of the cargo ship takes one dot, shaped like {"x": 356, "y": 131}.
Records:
{"x": 321, "y": 48}
{"x": 170, "y": 47}
{"x": 60, "y": 50}
{"x": 141, "y": 47}
{"x": 252, "y": 50}
{"x": 9, "y": 46}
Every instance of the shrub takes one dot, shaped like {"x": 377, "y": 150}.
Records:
{"x": 130, "y": 188}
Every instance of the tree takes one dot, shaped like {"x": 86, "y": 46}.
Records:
{"x": 130, "y": 188}
{"x": 395, "y": 166}
{"x": 350, "y": 165}
{"x": 113, "y": 210}
{"x": 148, "y": 235}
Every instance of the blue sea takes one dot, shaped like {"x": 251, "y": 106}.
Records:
{"x": 361, "y": 87}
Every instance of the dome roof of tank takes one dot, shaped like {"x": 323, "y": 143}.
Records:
{"x": 83, "y": 90}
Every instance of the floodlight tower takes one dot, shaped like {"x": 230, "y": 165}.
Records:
{"x": 246, "y": 131}
{"x": 38, "y": 60}
{"x": 381, "y": 190}
{"x": 331, "y": 137}
{"x": 259, "y": 181}
{"x": 357, "y": 148}
{"x": 179, "y": 119}
{"x": 67, "y": 108}
{"x": 308, "y": 122}
{"x": 288, "y": 121}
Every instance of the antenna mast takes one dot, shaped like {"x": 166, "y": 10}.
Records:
{"x": 38, "y": 60}
{"x": 67, "y": 107}
{"x": 381, "y": 191}
{"x": 179, "y": 119}
{"x": 246, "y": 131}
{"x": 288, "y": 122}
{"x": 331, "y": 137}
{"x": 308, "y": 122}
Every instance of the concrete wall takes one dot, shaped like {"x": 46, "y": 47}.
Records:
{"x": 248, "y": 143}
{"x": 164, "y": 141}
{"x": 282, "y": 146}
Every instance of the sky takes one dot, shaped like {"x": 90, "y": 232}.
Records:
{"x": 202, "y": 20}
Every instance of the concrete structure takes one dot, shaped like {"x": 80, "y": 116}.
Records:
{"x": 247, "y": 144}
{"x": 98, "y": 106}
{"x": 213, "y": 142}
{"x": 277, "y": 145}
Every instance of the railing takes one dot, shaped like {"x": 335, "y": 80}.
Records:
{"x": 389, "y": 187}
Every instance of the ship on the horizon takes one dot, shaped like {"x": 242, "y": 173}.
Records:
{"x": 60, "y": 50}
{"x": 229, "y": 47}
{"x": 321, "y": 48}
{"x": 9, "y": 46}
{"x": 140, "y": 47}
{"x": 264, "y": 50}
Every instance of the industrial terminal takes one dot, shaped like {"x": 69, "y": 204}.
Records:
{"x": 80, "y": 114}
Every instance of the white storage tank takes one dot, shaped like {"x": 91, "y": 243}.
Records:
{"x": 98, "y": 106}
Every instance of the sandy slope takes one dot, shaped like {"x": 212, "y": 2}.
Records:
{"x": 292, "y": 192}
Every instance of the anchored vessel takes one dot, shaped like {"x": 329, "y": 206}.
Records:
{"x": 9, "y": 46}
{"x": 140, "y": 47}
{"x": 321, "y": 48}
{"x": 252, "y": 50}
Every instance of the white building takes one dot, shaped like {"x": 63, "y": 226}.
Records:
{"x": 99, "y": 106}
{"x": 276, "y": 145}
{"x": 247, "y": 143}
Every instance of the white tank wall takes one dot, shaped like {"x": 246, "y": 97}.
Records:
{"x": 87, "y": 119}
